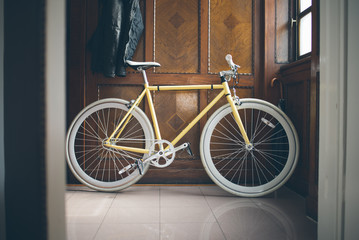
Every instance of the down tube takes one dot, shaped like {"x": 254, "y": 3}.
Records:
{"x": 201, "y": 114}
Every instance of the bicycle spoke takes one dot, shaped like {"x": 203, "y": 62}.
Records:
{"x": 271, "y": 155}
{"x": 91, "y": 133}
{"x": 235, "y": 129}
{"x": 227, "y": 156}
{"x": 221, "y": 143}
{"x": 257, "y": 163}
{"x": 94, "y": 151}
{"x": 256, "y": 167}
{"x": 267, "y": 138}
{"x": 258, "y": 124}
{"x": 227, "y": 137}
{"x": 235, "y": 142}
{"x": 242, "y": 162}
{"x": 130, "y": 135}
{"x": 237, "y": 153}
{"x": 263, "y": 128}
{"x": 100, "y": 126}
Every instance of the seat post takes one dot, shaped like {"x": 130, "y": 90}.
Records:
{"x": 143, "y": 74}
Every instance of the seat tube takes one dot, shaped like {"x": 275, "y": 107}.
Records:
{"x": 235, "y": 113}
{"x": 153, "y": 112}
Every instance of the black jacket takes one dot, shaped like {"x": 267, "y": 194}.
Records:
{"x": 116, "y": 36}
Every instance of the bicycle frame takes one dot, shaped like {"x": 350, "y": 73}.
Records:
{"x": 225, "y": 91}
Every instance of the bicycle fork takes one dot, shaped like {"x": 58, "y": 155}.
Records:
{"x": 228, "y": 95}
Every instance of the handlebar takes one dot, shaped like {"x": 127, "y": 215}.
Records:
{"x": 231, "y": 63}
{"x": 234, "y": 67}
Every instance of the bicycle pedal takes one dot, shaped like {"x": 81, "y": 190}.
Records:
{"x": 189, "y": 150}
{"x": 125, "y": 169}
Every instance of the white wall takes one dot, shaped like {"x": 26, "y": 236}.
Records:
{"x": 351, "y": 208}
{"x": 55, "y": 78}
{"x": 55, "y": 119}
{"x": 338, "y": 213}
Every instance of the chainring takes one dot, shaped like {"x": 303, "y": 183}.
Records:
{"x": 165, "y": 153}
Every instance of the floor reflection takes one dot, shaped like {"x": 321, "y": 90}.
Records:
{"x": 185, "y": 212}
{"x": 246, "y": 220}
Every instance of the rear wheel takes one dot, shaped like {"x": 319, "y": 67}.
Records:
{"x": 250, "y": 170}
{"x": 98, "y": 166}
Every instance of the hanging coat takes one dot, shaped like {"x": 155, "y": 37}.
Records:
{"x": 116, "y": 37}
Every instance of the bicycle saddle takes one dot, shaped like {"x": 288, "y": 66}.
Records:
{"x": 142, "y": 65}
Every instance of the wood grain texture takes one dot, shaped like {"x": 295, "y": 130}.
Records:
{"x": 175, "y": 110}
{"x": 176, "y": 36}
{"x": 125, "y": 92}
{"x": 231, "y": 32}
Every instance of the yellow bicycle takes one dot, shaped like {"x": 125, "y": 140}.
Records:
{"x": 249, "y": 147}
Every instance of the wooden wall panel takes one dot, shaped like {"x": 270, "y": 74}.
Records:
{"x": 296, "y": 95}
{"x": 296, "y": 81}
{"x": 231, "y": 26}
{"x": 126, "y": 92}
{"x": 176, "y": 36}
{"x": 176, "y": 110}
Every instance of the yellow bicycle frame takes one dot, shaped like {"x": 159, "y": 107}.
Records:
{"x": 225, "y": 91}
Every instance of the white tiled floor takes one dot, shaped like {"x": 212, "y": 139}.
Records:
{"x": 185, "y": 212}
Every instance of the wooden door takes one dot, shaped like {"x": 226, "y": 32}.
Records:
{"x": 190, "y": 39}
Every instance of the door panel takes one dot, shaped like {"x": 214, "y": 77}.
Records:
{"x": 176, "y": 36}
{"x": 231, "y": 27}
{"x": 188, "y": 39}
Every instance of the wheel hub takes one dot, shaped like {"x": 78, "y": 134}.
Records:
{"x": 249, "y": 147}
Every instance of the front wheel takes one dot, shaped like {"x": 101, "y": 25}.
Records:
{"x": 255, "y": 170}
{"x": 96, "y": 165}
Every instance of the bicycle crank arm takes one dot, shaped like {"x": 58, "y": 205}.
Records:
{"x": 125, "y": 169}
{"x": 181, "y": 147}
{"x": 138, "y": 163}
